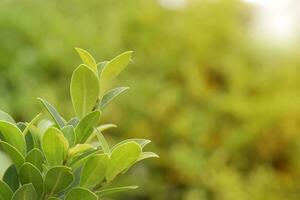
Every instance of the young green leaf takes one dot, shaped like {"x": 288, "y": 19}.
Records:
{"x": 36, "y": 134}
{"x": 85, "y": 127}
{"x": 101, "y": 128}
{"x": 141, "y": 142}
{"x": 11, "y": 178}
{"x": 32, "y": 138}
{"x": 80, "y": 160}
{"x": 35, "y": 157}
{"x": 101, "y": 66}
{"x": 113, "y": 68}
{"x": 103, "y": 143}
{"x": 122, "y": 157}
{"x": 73, "y": 122}
{"x": 60, "y": 122}
{"x": 55, "y": 146}
{"x": 109, "y": 191}
{"x": 93, "y": 172}
{"x": 44, "y": 124}
{"x": 28, "y": 126}
{"x": 5, "y": 191}
{"x": 87, "y": 59}
{"x": 15, "y": 156}
{"x": 30, "y": 143}
{"x": 77, "y": 174}
{"x": 84, "y": 90}
{"x": 79, "y": 149}
{"x": 29, "y": 140}
{"x": 21, "y": 125}
{"x": 26, "y": 192}
{"x": 30, "y": 174}
{"x": 6, "y": 117}
{"x": 69, "y": 133}
{"x": 13, "y": 136}
{"x": 110, "y": 96}
{"x": 146, "y": 155}
{"x": 80, "y": 193}
{"x": 105, "y": 127}
{"x": 57, "y": 179}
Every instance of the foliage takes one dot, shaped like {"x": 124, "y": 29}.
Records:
{"x": 59, "y": 159}
{"x": 220, "y": 107}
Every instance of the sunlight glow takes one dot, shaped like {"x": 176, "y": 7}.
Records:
{"x": 173, "y": 4}
{"x": 276, "y": 19}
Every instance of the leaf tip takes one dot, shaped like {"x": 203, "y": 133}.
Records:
{"x": 77, "y": 49}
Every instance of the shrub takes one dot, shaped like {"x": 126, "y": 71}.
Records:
{"x": 59, "y": 159}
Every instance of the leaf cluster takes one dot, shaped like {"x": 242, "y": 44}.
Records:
{"x": 70, "y": 159}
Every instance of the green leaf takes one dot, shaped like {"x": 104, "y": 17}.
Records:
{"x": 101, "y": 66}
{"x": 93, "y": 172}
{"x": 85, "y": 127}
{"x": 60, "y": 122}
{"x": 77, "y": 174}
{"x": 11, "y": 178}
{"x": 57, "y": 179}
{"x": 80, "y": 160}
{"x": 45, "y": 168}
{"x": 141, "y": 142}
{"x": 5, "y": 162}
{"x": 110, "y": 96}
{"x": 146, "y": 155}
{"x": 101, "y": 128}
{"x": 79, "y": 149}
{"x": 109, "y": 191}
{"x": 73, "y": 122}
{"x": 32, "y": 137}
{"x": 87, "y": 59}
{"x": 103, "y": 143}
{"x": 105, "y": 127}
{"x": 84, "y": 90}
{"x": 36, "y": 134}
{"x": 15, "y": 156}
{"x": 5, "y": 191}
{"x": 6, "y": 117}
{"x": 53, "y": 198}
{"x": 28, "y": 126}
{"x": 80, "y": 193}
{"x": 30, "y": 174}
{"x": 13, "y": 136}
{"x": 29, "y": 140}
{"x": 30, "y": 143}
{"x": 35, "y": 157}
{"x": 113, "y": 68}
{"x": 69, "y": 133}
{"x": 21, "y": 126}
{"x": 122, "y": 157}
{"x": 55, "y": 146}
{"x": 44, "y": 124}
{"x": 26, "y": 192}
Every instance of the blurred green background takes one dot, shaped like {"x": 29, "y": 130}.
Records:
{"x": 220, "y": 103}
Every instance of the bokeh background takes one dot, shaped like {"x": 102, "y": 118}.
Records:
{"x": 215, "y": 84}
